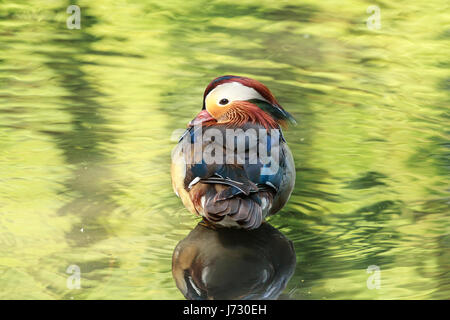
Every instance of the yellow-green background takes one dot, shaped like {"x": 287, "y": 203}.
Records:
{"x": 87, "y": 118}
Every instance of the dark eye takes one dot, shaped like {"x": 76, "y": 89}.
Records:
{"x": 223, "y": 102}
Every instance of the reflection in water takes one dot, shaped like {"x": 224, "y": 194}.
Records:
{"x": 229, "y": 263}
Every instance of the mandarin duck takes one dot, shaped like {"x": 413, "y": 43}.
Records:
{"x": 232, "y": 165}
{"x": 233, "y": 264}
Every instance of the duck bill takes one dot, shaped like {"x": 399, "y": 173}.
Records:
{"x": 202, "y": 117}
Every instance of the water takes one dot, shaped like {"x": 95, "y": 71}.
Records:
{"x": 87, "y": 116}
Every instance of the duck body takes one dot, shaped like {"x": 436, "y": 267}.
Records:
{"x": 234, "y": 173}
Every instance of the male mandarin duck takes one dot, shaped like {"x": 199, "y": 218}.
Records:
{"x": 232, "y": 166}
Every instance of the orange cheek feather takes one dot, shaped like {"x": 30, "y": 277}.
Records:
{"x": 244, "y": 111}
{"x": 216, "y": 111}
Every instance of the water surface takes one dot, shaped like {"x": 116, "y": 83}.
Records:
{"x": 87, "y": 121}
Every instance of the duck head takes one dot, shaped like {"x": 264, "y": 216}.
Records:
{"x": 236, "y": 100}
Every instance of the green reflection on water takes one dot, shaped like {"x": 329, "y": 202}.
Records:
{"x": 86, "y": 119}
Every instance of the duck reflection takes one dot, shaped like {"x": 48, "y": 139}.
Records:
{"x": 228, "y": 263}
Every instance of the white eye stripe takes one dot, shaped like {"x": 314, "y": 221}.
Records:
{"x": 233, "y": 91}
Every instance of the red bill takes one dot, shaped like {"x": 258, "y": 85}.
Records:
{"x": 202, "y": 117}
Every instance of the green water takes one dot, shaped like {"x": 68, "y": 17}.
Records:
{"x": 86, "y": 129}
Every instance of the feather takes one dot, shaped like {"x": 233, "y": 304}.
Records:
{"x": 274, "y": 110}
